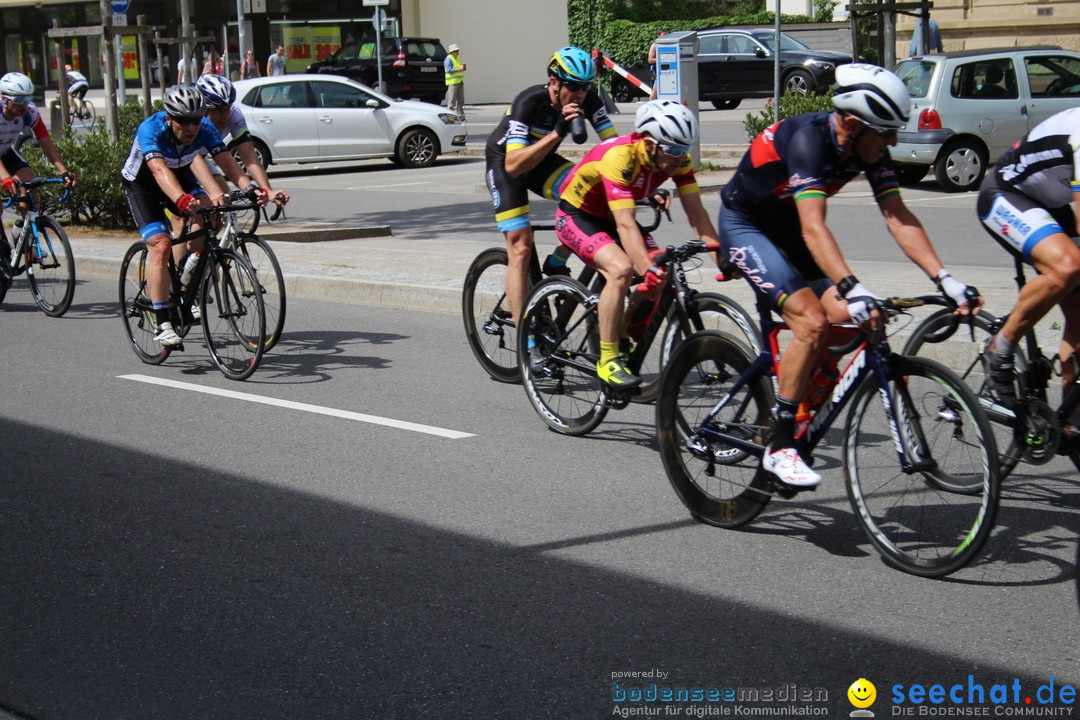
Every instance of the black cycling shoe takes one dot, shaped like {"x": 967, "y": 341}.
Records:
{"x": 536, "y": 361}
{"x": 1001, "y": 383}
{"x": 550, "y": 269}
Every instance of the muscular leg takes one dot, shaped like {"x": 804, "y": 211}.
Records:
{"x": 618, "y": 271}
{"x": 805, "y": 315}
{"x": 519, "y": 245}
{"x": 1058, "y": 261}
{"x": 1070, "y": 339}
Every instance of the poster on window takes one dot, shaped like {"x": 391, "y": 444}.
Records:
{"x": 327, "y": 40}
{"x": 297, "y": 40}
{"x": 129, "y": 51}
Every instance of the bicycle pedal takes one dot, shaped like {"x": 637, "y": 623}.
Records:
{"x": 785, "y": 491}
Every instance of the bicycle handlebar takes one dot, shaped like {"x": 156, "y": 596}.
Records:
{"x": 35, "y": 183}
{"x": 673, "y": 255}
{"x": 896, "y": 305}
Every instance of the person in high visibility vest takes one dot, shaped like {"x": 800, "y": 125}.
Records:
{"x": 455, "y": 81}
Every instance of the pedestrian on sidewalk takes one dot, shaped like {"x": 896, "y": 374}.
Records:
{"x": 455, "y": 81}
{"x": 250, "y": 67}
{"x": 275, "y": 64}
{"x": 652, "y": 61}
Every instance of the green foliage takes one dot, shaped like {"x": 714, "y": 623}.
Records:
{"x": 790, "y": 104}
{"x": 823, "y": 10}
{"x": 599, "y": 25}
{"x": 98, "y": 199}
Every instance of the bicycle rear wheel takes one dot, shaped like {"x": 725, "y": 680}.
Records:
{"x": 135, "y": 309}
{"x": 261, "y": 257}
{"x": 489, "y": 325}
{"x": 51, "y": 272}
{"x": 89, "y": 115}
{"x": 710, "y": 311}
{"x": 965, "y": 357}
{"x": 720, "y": 483}
{"x": 563, "y": 388}
{"x": 233, "y": 318}
{"x": 934, "y": 519}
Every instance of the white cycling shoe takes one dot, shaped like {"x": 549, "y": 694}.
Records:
{"x": 167, "y": 336}
{"x": 789, "y": 468}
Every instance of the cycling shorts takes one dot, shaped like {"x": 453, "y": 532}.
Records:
{"x": 510, "y": 195}
{"x": 585, "y": 234}
{"x": 1016, "y": 221}
{"x": 148, "y": 204}
{"x": 771, "y": 270}
{"x": 13, "y": 161}
{"x": 78, "y": 89}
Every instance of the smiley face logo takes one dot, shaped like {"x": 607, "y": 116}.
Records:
{"x": 862, "y": 693}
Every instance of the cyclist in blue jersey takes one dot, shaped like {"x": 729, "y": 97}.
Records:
{"x": 521, "y": 156}
{"x": 158, "y": 174}
{"x": 772, "y": 228}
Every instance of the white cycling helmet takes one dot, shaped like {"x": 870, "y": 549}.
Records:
{"x": 667, "y": 122}
{"x": 184, "y": 102}
{"x": 873, "y": 95}
{"x": 15, "y": 84}
{"x": 217, "y": 91}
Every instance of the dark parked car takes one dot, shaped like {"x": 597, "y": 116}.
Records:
{"x": 411, "y": 67}
{"x": 738, "y": 63}
{"x": 624, "y": 91}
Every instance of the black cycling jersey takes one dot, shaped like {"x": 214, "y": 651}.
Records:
{"x": 1045, "y": 165}
{"x": 794, "y": 159}
{"x": 532, "y": 116}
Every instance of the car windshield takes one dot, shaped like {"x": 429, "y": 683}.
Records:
{"x": 916, "y": 75}
{"x": 786, "y": 42}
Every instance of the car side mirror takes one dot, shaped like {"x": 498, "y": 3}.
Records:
{"x": 373, "y": 104}
{"x": 761, "y": 52}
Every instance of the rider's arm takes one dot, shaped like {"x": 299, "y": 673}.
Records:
{"x": 910, "y": 235}
{"x": 202, "y": 173}
{"x": 700, "y": 222}
{"x": 251, "y": 162}
{"x": 819, "y": 239}
{"x": 522, "y": 160}
{"x": 48, "y": 147}
{"x": 631, "y": 239}
{"x": 165, "y": 178}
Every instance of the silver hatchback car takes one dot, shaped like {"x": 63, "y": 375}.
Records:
{"x": 968, "y": 107}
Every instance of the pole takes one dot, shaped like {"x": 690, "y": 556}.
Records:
{"x": 776, "y": 67}
{"x": 162, "y": 82}
{"x": 58, "y": 49}
{"x": 108, "y": 63}
{"x": 144, "y": 66}
{"x": 378, "y": 45}
{"x": 121, "y": 81}
{"x": 185, "y": 47}
{"x": 241, "y": 37}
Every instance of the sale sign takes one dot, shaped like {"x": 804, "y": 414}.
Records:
{"x": 298, "y": 41}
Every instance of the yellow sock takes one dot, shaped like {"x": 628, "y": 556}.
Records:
{"x": 608, "y": 351}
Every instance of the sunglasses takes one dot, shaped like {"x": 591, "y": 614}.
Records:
{"x": 576, "y": 86}
{"x": 675, "y": 151}
{"x": 19, "y": 99}
{"x": 186, "y": 122}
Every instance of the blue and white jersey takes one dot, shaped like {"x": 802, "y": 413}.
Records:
{"x": 154, "y": 139}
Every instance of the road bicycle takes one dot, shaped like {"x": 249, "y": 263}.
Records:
{"x": 562, "y": 316}
{"x": 238, "y": 233}
{"x": 490, "y": 330}
{"x": 36, "y": 245}
{"x": 81, "y": 111}
{"x": 919, "y": 457}
{"x": 1033, "y": 432}
{"x": 224, "y": 295}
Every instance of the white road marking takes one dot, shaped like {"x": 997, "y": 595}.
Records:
{"x": 318, "y": 410}
{"x": 381, "y": 187}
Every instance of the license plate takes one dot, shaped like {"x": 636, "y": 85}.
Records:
{"x": 429, "y": 69}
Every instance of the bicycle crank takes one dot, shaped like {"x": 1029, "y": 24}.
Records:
{"x": 1039, "y": 432}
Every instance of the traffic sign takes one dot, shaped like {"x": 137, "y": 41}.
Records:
{"x": 120, "y": 6}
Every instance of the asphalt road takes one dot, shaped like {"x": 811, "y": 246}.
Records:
{"x": 170, "y": 552}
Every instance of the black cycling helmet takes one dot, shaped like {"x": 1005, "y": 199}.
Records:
{"x": 184, "y": 102}
{"x": 571, "y": 64}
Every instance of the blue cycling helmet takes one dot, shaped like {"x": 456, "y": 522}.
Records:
{"x": 571, "y": 64}
{"x": 217, "y": 91}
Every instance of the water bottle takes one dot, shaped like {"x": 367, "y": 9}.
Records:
{"x": 189, "y": 267}
{"x": 821, "y": 386}
{"x": 578, "y": 131}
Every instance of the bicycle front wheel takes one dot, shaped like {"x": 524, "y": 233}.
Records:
{"x": 964, "y": 356}
{"x": 89, "y": 115}
{"x": 560, "y": 373}
{"x": 136, "y": 311}
{"x": 260, "y": 256}
{"x": 934, "y": 517}
{"x": 51, "y": 272}
{"x": 715, "y": 465}
{"x": 489, "y": 325}
{"x": 233, "y": 318}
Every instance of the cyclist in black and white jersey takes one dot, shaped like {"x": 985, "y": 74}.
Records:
{"x": 160, "y": 173}
{"x": 77, "y": 87}
{"x": 1027, "y": 204}
{"x": 521, "y": 157}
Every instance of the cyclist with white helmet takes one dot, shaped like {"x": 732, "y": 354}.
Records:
{"x": 521, "y": 156}
{"x": 77, "y": 87}
{"x": 160, "y": 174}
{"x": 772, "y": 227}
{"x": 596, "y": 216}
{"x": 17, "y": 112}
{"x": 219, "y": 95}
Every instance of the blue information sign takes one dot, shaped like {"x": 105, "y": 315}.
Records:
{"x": 120, "y": 6}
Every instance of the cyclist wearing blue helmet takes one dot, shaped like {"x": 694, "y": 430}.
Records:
{"x": 521, "y": 156}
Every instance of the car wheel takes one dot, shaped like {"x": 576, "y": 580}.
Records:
{"x": 799, "y": 82}
{"x": 417, "y": 148}
{"x": 261, "y": 152}
{"x": 961, "y": 165}
{"x": 911, "y": 174}
{"x": 729, "y": 104}
{"x": 620, "y": 91}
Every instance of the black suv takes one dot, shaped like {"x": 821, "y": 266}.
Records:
{"x": 738, "y": 63}
{"x": 411, "y": 67}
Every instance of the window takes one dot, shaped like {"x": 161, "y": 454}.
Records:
{"x": 916, "y": 76}
{"x": 339, "y": 95}
{"x": 1053, "y": 76}
{"x": 985, "y": 79}
{"x": 710, "y": 45}
{"x": 741, "y": 45}
{"x": 283, "y": 95}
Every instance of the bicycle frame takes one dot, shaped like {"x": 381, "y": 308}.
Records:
{"x": 29, "y": 232}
